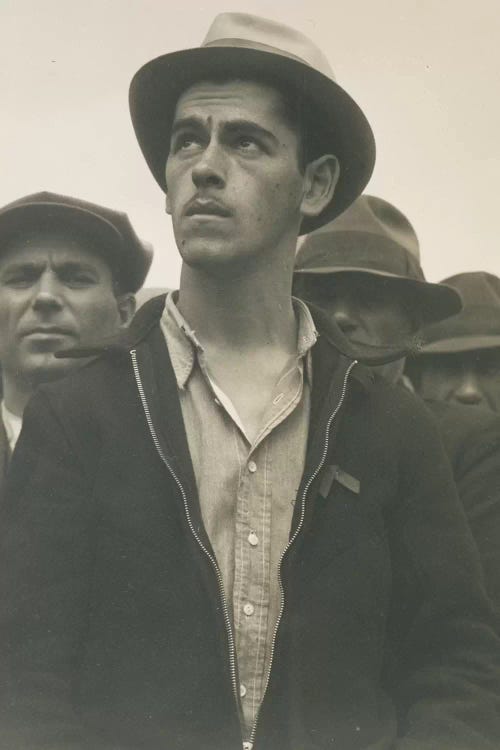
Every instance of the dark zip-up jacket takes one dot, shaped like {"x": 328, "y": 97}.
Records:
{"x": 114, "y": 635}
{"x": 471, "y": 438}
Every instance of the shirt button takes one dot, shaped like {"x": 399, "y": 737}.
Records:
{"x": 253, "y": 539}
{"x": 243, "y": 690}
{"x": 252, "y": 467}
{"x": 248, "y": 609}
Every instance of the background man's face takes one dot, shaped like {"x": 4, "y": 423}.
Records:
{"x": 366, "y": 309}
{"x": 464, "y": 378}
{"x": 54, "y": 294}
{"x": 233, "y": 177}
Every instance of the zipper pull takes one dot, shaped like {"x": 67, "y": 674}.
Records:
{"x": 333, "y": 473}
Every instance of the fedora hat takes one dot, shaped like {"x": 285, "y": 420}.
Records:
{"x": 250, "y": 47}
{"x": 110, "y": 232}
{"x": 373, "y": 238}
{"x": 477, "y": 326}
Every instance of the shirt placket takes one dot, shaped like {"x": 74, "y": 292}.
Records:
{"x": 252, "y": 567}
{"x": 253, "y": 555}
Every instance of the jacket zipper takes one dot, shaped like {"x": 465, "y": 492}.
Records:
{"x": 225, "y": 610}
{"x": 249, "y": 744}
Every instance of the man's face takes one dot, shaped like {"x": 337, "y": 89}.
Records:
{"x": 463, "y": 378}
{"x": 365, "y": 308}
{"x": 234, "y": 183}
{"x": 54, "y": 294}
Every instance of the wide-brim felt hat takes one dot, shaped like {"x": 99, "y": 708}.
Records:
{"x": 109, "y": 233}
{"x": 373, "y": 238}
{"x": 250, "y": 47}
{"x": 477, "y": 326}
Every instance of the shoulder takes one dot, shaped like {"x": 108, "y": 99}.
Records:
{"x": 394, "y": 406}
{"x": 466, "y": 430}
{"x": 89, "y": 387}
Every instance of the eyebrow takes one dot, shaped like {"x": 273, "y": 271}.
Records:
{"x": 63, "y": 265}
{"x": 232, "y": 126}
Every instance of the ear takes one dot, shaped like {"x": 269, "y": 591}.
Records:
{"x": 320, "y": 180}
{"x": 168, "y": 207}
{"x": 126, "y": 308}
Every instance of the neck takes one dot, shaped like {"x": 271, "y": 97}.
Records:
{"x": 244, "y": 310}
{"x": 16, "y": 393}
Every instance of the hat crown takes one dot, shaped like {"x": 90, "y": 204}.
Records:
{"x": 246, "y": 30}
{"x": 477, "y": 288}
{"x": 373, "y": 215}
{"x": 370, "y": 235}
{"x": 477, "y": 326}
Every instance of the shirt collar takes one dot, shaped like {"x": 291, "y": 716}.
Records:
{"x": 183, "y": 344}
{"x": 12, "y": 424}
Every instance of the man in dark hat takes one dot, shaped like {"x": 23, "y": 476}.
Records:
{"x": 460, "y": 359}
{"x": 364, "y": 270}
{"x": 68, "y": 273}
{"x": 236, "y": 539}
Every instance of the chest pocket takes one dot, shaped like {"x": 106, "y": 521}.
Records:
{"x": 347, "y": 514}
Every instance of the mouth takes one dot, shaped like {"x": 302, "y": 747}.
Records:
{"x": 203, "y": 208}
{"x": 48, "y": 332}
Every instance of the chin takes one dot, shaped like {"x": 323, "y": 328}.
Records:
{"x": 212, "y": 256}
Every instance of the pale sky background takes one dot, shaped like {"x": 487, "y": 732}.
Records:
{"x": 426, "y": 73}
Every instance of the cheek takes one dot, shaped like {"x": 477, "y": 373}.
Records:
{"x": 490, "y": 384}
{"x": 96, "y": 318}
{"x": 438, "y": 382}
{"x": 10, "y": 317}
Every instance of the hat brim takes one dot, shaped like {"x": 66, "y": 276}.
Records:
{"x": 156, "y": 87}
{"x": 433, "y": 301}
{"x": 461, "y": 344}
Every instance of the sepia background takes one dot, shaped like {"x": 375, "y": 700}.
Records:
{"x": 426, "y": 73}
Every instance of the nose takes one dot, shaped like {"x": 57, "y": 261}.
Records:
{"x": 468, "y": 391}
{"x": 47, "y": 293}
{"x": 345, "y": 320}
{"x": 209, "y": 169}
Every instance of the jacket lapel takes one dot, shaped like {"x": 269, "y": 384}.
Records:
{"x": 161, "y": 393}
{"x": 4, "y": 458}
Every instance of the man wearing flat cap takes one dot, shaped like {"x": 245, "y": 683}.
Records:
{"x": 364, "y": 270}
{"x": 460, "y": 359}
{"x": 243, "y": 557}
{"x": 68, "y": 273}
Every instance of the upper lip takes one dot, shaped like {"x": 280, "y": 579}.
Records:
{"x": 206, "y": 206}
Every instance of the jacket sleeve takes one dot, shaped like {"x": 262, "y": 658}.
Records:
{"x": 45, "y": 568}
{"x": 445, "y": 674}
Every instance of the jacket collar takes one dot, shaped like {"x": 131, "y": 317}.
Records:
{"x": 150, "y": 313}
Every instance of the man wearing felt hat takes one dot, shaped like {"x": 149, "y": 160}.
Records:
{"x": 68, "y": 273}
{"x": 244, "y": 558}
{"x": 364, "y": 270}
{"x": 459, "y": 361}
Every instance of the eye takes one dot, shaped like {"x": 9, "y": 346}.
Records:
{"x": 77, "y": 279}
{"x": 489, "y": 368}
{"x": 247, "y": 143}
{"x": 22, "y": 279}
{"x": 185, "y": 142}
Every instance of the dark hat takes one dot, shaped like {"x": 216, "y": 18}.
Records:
{"x": 238, "y": 44}
{"x": 477, "y": 326}
{"x": 111, "y": 232}
{"x": 374, "y": 238}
